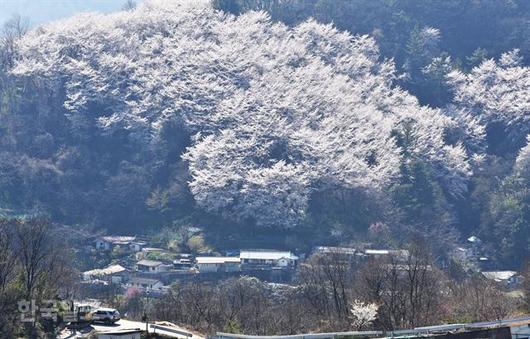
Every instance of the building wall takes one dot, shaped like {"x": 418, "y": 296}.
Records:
{"x": 232, "y": 267}
{"x": 207, "y": 267}
{"x": 151, "y": 269}
{"x": 119, "y": 336}
{"x": 227, "y": 267}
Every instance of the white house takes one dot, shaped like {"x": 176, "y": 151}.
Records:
{"x": 218, "y": 264}
{"x": 267, "y": 259}
{"x": 151, "y": 266}
{"x": 108, "y": 242}
{"x": 113, "y": 273}
{"x": 146, "y": 284}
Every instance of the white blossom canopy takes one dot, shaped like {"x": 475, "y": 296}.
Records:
{"x": 276, "y": 113}
{"x": 496, "y": 91}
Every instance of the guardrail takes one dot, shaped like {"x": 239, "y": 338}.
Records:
{"x": 170, "y": 329}
{"x": 360, "y": 334}
{"x": 378, "y": 334}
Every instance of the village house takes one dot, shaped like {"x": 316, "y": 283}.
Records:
{"x": 218, "y": 264}
{"x": 151, "y": 266}
{"x": 182, "y": 264}
{"x": 113, "y": 274}
{"x": 183, "y": 261}
{"x": 137, "y": 246}
{"x": 107, "y": 243}
{"x": 343, "y": 254}
{"x": 146, "y": 284}
{"x": 267, "y": 259}
{"x": 346, "y": 251}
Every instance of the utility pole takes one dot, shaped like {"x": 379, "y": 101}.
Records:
{"x": 144, "y": 318}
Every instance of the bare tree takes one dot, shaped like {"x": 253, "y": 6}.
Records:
{"x": 477, "y": 299}
{"x": 407, "y": 288}
{"x": 129, "y": 5}
{"x": 422, "y": 283}
{"x": 33, "y": 247}
{"x": 326, "y": 286}
{"x": 7, "y": 257}
{"x": 12, "y": 30}
{"x": 8, "y": 272}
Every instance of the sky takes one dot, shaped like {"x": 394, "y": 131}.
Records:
{"x": 43, "y": 11}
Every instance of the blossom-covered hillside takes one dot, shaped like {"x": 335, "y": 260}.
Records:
{"x": 275, "y": 114}
{"x": 175, "y": 112}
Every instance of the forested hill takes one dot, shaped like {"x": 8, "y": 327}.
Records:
{"x": 177, "y": 112}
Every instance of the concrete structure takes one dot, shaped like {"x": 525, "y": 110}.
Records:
{"x": 120, "y": 334}
{"x": 162, "y": 329}
{"x": 218, "y": 264}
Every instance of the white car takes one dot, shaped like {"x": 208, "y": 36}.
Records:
{"x": 106, "y": 315}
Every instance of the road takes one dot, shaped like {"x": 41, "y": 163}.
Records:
{"x": 164, "y": 328}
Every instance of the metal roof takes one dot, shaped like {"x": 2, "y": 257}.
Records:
{"x": 377, "y": 252}
{"x": 499, "y": 275}
{"x": 336, "y": 250}
{"x": 118, "y": 239}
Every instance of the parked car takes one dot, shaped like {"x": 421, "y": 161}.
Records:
{"x": 106, "y": 315}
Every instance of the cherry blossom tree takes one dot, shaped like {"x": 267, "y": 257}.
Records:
{"x": 496, "y": 91}
{"x": 362, "y": 314}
